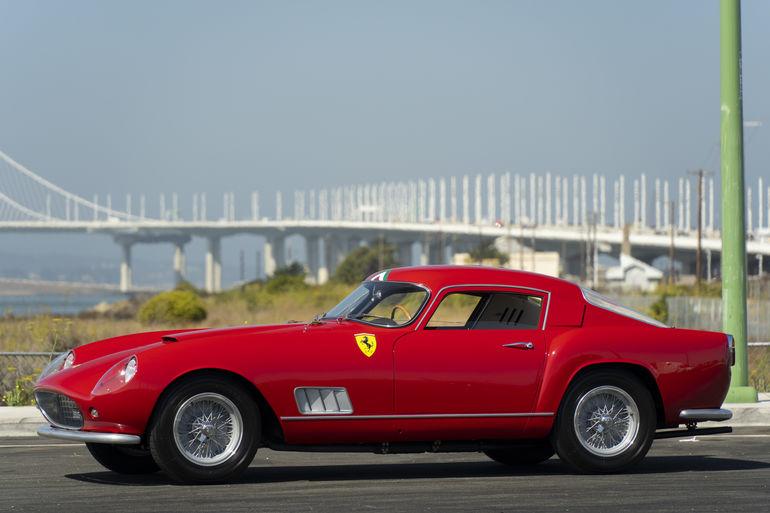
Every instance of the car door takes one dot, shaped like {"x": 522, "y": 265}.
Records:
{"x": 472, "y": 367}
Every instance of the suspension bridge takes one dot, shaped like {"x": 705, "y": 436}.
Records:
{"x": 428, "y": 220}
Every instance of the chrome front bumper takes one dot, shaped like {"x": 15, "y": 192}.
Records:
{"x": 704, "y": 415}
{"x": 88, "y": 436}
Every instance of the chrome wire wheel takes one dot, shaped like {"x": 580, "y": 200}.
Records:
{"x": 208, "y": 429}
{"x": 606, "y": 421}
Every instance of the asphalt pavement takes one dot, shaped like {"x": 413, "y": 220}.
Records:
{"x": 713, "y": 473}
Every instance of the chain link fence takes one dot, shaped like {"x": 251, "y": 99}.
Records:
{"x": 21, "y": 368}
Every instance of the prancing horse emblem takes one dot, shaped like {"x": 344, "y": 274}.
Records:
{"x": 367, "y": 343}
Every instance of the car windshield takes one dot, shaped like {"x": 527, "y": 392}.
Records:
{"x": 381, "y": 303}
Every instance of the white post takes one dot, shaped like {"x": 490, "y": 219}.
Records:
{"x": 548, "y": 199}
{"x": 749, "y": 216}
{"x": 453, "y": 199}
{"x": 203, "y": 206}
{"x": 657, "y": 204}
{"x": 125, "y": 267}
{"x": 564, "y": 201}
{"x": 687, "y": 207}
{"x": 442, "y": 200}
{"x": 760, "y": 205}
{"x": 213, "y": 278}
{"x": 96, "y": 207}
{"x": 583, "y": 202}
{"x": 278, "y": 205}
{"x": 595, "y": 196}
{"x": 636, "y": 204}
{"x": 603, "y": 200}
{"x": 575, "y": 200}
{"x": 174, "y": 206}
{"x": 491, "y": 197}
{"x": 622, "y": 202}
{"x": 557, "y": 203}
{"x": 616, "y": 203}
{"x": 466, "y": 200}
{"x": 516, "y": 200}
{"x": 477, "y": 203}
{"x": 179, "y": 262}
{"x": 539, "y": 219}
{"x": 533, "y": 198}
{"x": 643, "y": 200}
{"x": 254, "y": 206}
{"x": 681, "y": 200}
{"x": 431, "y": 200}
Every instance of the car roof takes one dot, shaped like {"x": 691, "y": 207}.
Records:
{"x": 566, "y": 301}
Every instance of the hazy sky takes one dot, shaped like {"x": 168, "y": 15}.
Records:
{"x": 148, "y": 96}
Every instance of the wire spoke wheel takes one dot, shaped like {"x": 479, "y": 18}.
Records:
{"x": 208, "y": 429}
{"x": 606, "y": 421}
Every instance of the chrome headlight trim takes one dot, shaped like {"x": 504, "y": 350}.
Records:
{"x": 117, "y": 376}
{"x": 57, "y": 364}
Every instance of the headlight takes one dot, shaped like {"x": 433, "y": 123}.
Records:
{"x": 117, "y": 377}
{"x": 63, "y": 361}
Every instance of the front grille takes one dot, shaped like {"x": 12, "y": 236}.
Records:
{"x": 59, "y": 409}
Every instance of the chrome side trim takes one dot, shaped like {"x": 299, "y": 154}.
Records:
{"x": 88, "y": 436}
{"x": 421, "y": 416}
{"x": 702, "y": 415}
{"x": 435, "y": 298}
{"x": 323, "y": 401}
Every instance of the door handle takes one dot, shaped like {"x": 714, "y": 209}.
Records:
{"x": 520, "y": 345}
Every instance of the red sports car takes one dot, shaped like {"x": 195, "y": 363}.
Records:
{"x": 440, "y": 358}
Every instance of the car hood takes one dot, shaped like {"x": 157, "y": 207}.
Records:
{"x": 138, "y": 341}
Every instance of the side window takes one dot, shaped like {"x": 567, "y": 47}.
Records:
{"x": 487, "y": 311}
{"x": 455, "y": 311}
{"x": 510, "y": 312}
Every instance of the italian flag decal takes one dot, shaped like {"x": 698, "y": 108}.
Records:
{"x": 383, "y": 276}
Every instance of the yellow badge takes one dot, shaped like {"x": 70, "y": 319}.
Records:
{"x": 367, "y": 343}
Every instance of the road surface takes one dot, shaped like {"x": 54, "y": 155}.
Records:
{"x": 717, "y": 473}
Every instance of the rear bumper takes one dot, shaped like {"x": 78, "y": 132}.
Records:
{"x": 703, "y": 415}
{"x": 88, "y": 436}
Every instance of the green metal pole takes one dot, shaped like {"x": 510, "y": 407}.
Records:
{"x": 733, "y": 194}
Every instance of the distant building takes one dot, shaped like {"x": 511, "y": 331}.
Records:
{"x": 632, "y": 274}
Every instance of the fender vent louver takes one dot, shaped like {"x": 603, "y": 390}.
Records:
{"x": 169, "y": 338}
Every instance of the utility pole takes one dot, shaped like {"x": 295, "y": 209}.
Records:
{"x": 672, "y": 231}
{"x": 698, "y": 249}
{"x": 733, "y": 197}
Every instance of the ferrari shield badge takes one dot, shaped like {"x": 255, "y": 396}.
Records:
{"x": 367, "y": 343}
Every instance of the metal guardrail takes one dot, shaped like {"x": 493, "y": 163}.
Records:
{"x": 15, "y": 366}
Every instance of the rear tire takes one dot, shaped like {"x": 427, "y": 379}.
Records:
{"x": 123, "y": 459}
{"x": 206, "y": 430}
{"x": 526, "y": 455}
{"x": 606, "y": 422}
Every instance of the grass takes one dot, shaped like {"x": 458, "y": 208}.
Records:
{"x": 252, "y": 304}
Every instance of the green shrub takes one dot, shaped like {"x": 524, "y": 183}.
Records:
{"x": 363, "y": 261}
{"x": 488, "y": 252}
{"x": 287, "y": 279}
{"x": 172, "y": 306}
{"x": 21, "y": 394}
{"x": 659, "y": 309}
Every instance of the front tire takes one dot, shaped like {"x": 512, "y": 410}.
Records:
{"x": 606, "y": 422}
{"x": 123, "y": 459}
{"x": 207, "y": 430}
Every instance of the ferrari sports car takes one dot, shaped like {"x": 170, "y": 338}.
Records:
{"x": 513, "y": 364}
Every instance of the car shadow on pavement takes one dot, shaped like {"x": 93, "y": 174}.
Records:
{"x": 282, "y": 474}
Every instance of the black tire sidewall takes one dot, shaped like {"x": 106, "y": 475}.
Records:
{"x": 161, "y": 434}
{"x": 530, "y": 454}
{"x": 565, "y": 440}
{"x": 123, "y": 459}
